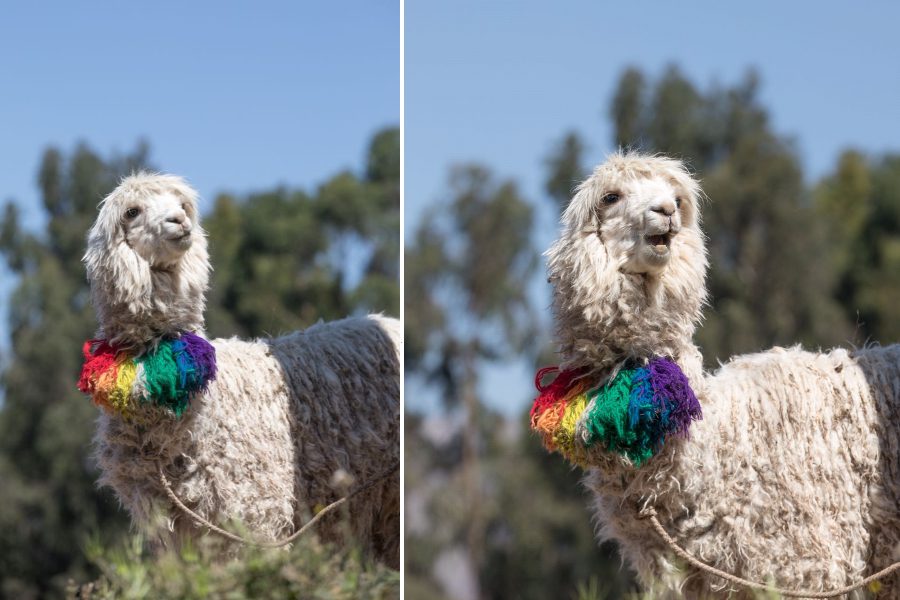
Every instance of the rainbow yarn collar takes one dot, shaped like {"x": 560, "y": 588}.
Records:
{"x": 630, "y": 414}
{"x": 168, "y": 376}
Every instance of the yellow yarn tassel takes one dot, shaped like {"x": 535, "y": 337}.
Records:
{"x": 120, "y": 395}
{"x": 564, "y": 436}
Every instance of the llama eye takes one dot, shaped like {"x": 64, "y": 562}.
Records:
{"x": 611, "y": 198}
{"x": 132, "y": 213}
{"x": 677, "y": 202}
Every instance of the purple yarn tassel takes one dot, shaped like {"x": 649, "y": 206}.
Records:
{"x": 203, "y": 357}
{"x": 673, "y": 394}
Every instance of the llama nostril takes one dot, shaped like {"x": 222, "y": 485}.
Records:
{"x": 178, "y": 219}
{"x": 666, "y": 208}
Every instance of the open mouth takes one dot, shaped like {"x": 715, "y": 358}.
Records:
{"x": 660, "y": 242}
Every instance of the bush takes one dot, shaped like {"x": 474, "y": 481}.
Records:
{"x": 310, "y": 569}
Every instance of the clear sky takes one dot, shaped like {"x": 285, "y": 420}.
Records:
{"x": 234, "y": 96}
{"x": 500, "y": 82}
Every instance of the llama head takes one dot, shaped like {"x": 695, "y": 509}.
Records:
{"x": 147, "y": 261}
{"x": 629, "y": 267}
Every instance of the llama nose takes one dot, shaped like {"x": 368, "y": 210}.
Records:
{"x": 664, "y": 207}
{"x": 177, "y": 218}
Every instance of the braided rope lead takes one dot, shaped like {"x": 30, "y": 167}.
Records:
{"x": 650, "y": 513}
{"x": 277, "y": 543}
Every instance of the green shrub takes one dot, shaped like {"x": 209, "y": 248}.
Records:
{"x": 310, "y": 569}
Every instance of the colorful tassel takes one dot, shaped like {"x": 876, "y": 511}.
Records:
{"x": 631, "y": 414}
{"x": 99, "y": 358}
{"x": 196, "y": 360}
{"x": 557, "y": 408}
{"x": 168, "y": 376}
{"x": 673, "y": 394}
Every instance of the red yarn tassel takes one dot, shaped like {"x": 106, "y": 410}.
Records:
{"x": 540, "y": 376}
{"x": 556, "y": 391}
{"x": 99, "y": 357}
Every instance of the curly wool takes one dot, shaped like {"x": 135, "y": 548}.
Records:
{"x": 288, "y": 425}
{"x": 791, "y": 476}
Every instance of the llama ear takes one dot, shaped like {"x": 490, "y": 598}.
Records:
{"x": 581, "y": 212}
{"x": 117, "y": 274}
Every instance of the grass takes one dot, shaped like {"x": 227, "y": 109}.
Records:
{"x": 310, "y": 569}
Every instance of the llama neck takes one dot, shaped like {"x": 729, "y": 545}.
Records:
{"x": 176, "y": 306}
{"x": 649, "y": 318}
{"x": 640, "y": 319}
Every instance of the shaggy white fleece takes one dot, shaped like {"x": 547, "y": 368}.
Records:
{"x": 288, "y": 425}
{"x": 792, "y": 476}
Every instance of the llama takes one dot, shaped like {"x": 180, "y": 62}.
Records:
{"x": 791, "y": 476}
{"x": 261, "y": 432}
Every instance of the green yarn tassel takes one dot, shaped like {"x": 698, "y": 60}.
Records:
{"x": 161, "y": 379}
{"x": 608, "y": 420}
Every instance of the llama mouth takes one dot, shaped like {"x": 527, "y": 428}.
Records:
{"x": 660, "y": 242}
{"x": 181, "y": 238}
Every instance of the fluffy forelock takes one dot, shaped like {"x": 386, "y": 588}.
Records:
{"x": 140, "y": 187}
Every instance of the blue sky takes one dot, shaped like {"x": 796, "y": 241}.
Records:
{"x": 234, "y": 96}
{"x": 500, "y": 82}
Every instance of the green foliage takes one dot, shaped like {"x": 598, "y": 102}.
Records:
{"x": 485, "y": 272}
{"x": 281, "y": 261}
{"x": 383, "y": 165}
{"x": 860, "y": 204}
{"x": 473, "y": 258}
{"x": 282, "y": 257}
{"x": 565, "y": 169}
{"x": 309, "y": 570}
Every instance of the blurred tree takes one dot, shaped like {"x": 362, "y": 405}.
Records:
{"x": 627, "y": 109}
{"x": 481, "y": 278}
{"x": 379, "y": 289}
{"x": 564, "y": 165}
{"x": 542, "y": 535}
{"x": 538, "y": 537}
{"x": 860, "y": 203}
{"x": 483, "y": 270}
